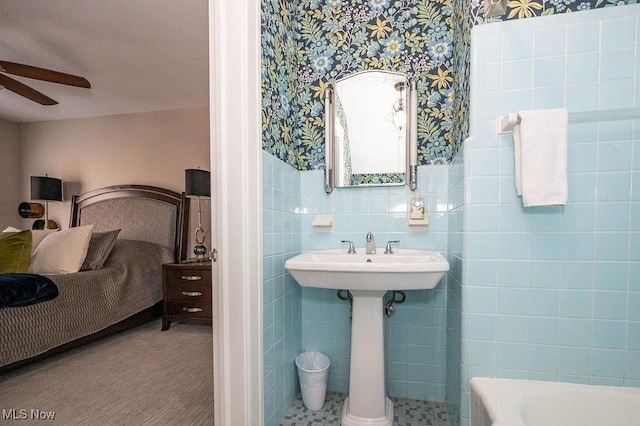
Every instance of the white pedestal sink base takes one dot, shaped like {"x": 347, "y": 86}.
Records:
{"x": 349, "y": 419}
{"x": 367, "y": 403}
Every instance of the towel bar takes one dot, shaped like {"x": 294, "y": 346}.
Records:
{"x": 506, "y": 123}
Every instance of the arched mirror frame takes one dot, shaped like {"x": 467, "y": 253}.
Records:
{"x": 331, "y": 145}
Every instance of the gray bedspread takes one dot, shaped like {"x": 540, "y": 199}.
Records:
{"x": 89, "y": 301}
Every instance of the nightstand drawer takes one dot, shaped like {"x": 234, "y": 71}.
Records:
{"x": 187, "y": 309}
{"x": 188, "y": 276}
{"x": 176, "y": 290}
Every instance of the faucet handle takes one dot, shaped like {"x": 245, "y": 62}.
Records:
{"x": 388, "y": 249}
{"x": 352, "y": 249}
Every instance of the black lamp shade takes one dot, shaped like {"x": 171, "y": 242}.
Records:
{"x": 46, "y": 188}
{"x": 197, "y": 183}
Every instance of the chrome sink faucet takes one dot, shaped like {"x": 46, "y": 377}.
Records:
{"x": 371, "y": 244}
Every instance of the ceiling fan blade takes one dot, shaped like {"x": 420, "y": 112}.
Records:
{"x": 44, "y": 74}
{"x": 24, "y": 90}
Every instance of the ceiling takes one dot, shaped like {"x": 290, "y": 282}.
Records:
{"x": 138, "y": 55}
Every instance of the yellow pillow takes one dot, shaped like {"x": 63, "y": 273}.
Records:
{"x": 15, "y": 250}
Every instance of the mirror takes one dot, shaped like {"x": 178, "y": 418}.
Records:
{"x": 369, "y": 130}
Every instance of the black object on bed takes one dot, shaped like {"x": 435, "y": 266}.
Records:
{"x": 25, "y": 289}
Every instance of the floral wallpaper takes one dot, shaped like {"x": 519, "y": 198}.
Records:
{"x": 331, "y": 39}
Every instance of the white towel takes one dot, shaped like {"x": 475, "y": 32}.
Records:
{"x": 540, "y": 148}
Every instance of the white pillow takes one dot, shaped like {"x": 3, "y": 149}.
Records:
{"x": 61, "y": 252}
{"x": 12, "y": 229}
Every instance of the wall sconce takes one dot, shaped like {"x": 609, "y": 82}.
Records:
{"x": 399, "y": 113}
{"x": 197, "y": 183}
{"x": 47, "y": 189}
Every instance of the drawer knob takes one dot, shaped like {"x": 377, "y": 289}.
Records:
{"x": 192, "y": 309}
{"x": 191, "y": 277}
{"x": 191, "y": 293}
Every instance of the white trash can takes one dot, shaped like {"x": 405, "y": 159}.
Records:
{"x": 313, "y": 372}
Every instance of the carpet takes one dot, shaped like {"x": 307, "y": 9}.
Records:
{"x": 142, "y": 376}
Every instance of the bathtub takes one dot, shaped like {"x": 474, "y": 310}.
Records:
{"x": 507, "y": 402}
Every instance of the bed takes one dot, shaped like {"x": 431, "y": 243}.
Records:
{"x": 125, "y": 292}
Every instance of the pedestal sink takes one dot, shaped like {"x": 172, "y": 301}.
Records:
{"x": 368, "y": 277}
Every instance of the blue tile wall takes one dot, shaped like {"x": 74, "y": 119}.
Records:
{"x": 415, "y": 337}
{"x": 548, "y": 293}
{"x": 282, "y": 338}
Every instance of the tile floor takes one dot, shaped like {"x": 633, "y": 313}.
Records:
{"x": 407, "y": 412}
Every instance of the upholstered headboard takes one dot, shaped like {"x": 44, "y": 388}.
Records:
{"x": 142, "y": 212}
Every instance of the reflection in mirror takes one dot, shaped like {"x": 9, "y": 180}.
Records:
{"x": 369, "y": 128}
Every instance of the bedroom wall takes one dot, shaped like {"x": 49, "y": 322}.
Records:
{"x": 151, "y": 148}
{"x": 9, "y": 173}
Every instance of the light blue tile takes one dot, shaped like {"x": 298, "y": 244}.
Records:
{"x": 511, "y": 356}
{"x": 483, "y": 162}
{"x": 483, "y": 190}
{"x": 481, "y": 327}
{"x": 481, "y": 245}
{"x": 634, "y": 246}
{"x": 546, "y": 246}
{"x": 574, "y": 360}
{"x": 542, "y": 330}
{"x": 614, "y": 186}
{"x": 579, "y": 217}
{"x": 575, "y": 304}
{"x": 634, "y": 306}
{"x": 611, "y": 246}
{"x": 582, "y": 132}
{"x": 514, "y": 245}
{"x": 635, "y": 182}
{"x": 632, "y": 365}
{"x": 577, "y": 246}
{"x": 512, "y": 328}
{"x": 548, "y": 97}
{"x": 543, "y": 302}
{"x": 512, "y": 301}
{"x": 618, "y": 33}
{"x": 481, "y": 354}
{"x": 633, "y": 336}
{"x": 577, "y": 275}
{"x": 482, "y": 273}
{"x": 614, "y": 156}
{"x": 516, "y": 74}
{"x": 608, "y": 334}
{"x": 542, "y": 358}
{"x": 515, "y": 100}
{"x": 513, "y": 217}
{"x": 582, "y": 97}
{"x": 481, "y": 218}
{"x": 574, "y": 332}
{"x": 582, "y": 187}
{"x": 549, "y": 71}
{"x": 582, "y": 68}
{"x": 634, "y": 212}
{"x": 582, "y": 38}
{"x": 610, "y": 275}
{"x": 634, "y": 276}
{"x": 518, "y": 45}
{"x": 612, "y": 216}
{"x": 636, "y": 154}
{"x": 545, "y": 274}
{"x": 549, "y": 41}
{"x": 615, "y": 94}
{"x": 607, "y": 363}
{"x": 616, "y": 64}
{"x": 513, "y": 273}
{"x": 581, "y": 157}
{"x": 617, "y": 130}
{"x": 508, "y": 190}
{"x": 609, "y": 305}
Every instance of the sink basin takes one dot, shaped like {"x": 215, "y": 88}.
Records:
{"x": 402, "y": 270}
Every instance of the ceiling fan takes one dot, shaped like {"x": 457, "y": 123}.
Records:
{"x": 38, "y": 74}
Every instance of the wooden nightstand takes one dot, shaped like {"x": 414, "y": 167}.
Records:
{"x": 187, "y": 293}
